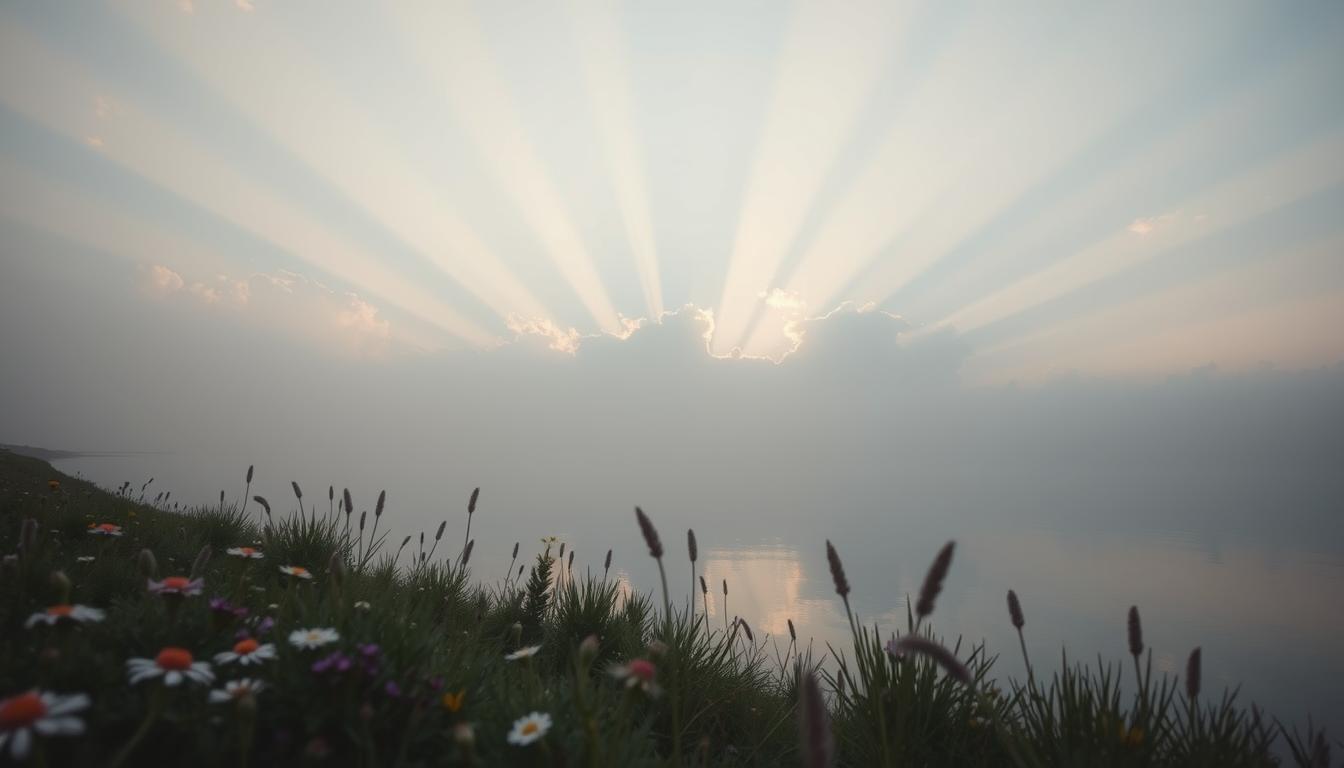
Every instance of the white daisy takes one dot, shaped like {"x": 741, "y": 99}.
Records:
{"x": 85, "y": 559}
{"x": 236, "y": 689}
{"x": 247, "y": 651}
{"x": 43, "y": 712}
{"x": 529, "y": 728}
{"x": 250, "y": 553}
{"x": 64, "y": 612}
{"x": 177, "y": 585}
{"x": 297, "y": 571}
{"x": 313, "y": 638}
{"x": 172, "y": 664}
{"x": 362, "y": 605}
{"x": 523, "y": 653}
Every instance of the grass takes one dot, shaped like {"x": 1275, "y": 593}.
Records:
{"x": 432, "y": 667}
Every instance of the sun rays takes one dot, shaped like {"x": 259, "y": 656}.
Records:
{"x": 489, "y": 176}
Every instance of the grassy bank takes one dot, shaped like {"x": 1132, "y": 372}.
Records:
{"x": 239, "y": 634}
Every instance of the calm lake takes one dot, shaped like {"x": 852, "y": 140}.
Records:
{"x": 1247, "y": 563}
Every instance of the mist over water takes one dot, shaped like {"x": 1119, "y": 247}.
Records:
{"x": 1209, "y": 500}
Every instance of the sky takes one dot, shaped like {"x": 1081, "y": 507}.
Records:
{"x": 1125, "y": 191}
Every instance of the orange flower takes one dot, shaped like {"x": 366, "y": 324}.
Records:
{"x": 453, "y": 701}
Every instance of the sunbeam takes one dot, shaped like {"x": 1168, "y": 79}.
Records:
{"x": 450, "y": 41}
{"x": 830, "y": 57}
{"x": 362, "y": 159}
{"x": 155, "y": 151}
{"x": 601, "y": 41}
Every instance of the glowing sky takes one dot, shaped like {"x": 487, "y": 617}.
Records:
{"x": 1122, "y": 189}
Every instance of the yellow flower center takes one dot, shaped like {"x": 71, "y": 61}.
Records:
{"x": 529, "y": 729}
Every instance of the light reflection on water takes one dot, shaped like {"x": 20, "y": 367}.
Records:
{"x": 1265, "y": 610}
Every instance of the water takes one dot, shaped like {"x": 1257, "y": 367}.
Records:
{"x": 1257, "y": 584}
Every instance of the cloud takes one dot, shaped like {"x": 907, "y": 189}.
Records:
{"x": 1144, "y": 226}
{"x": 287, "y": 303}
{"x": 245, "y": 6}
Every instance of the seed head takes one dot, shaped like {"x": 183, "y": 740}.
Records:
{"x": 362, "y": 517}
{"x": 919, "y": 644}
{"x": 650, "y": 535}
{"x": 249, "y": 473}
{"x": 837, "y": 570}
{"x": 298, "y": 492}
{"x": 1192, "y": 673}
{"x": 793, "y": 635}
{"x": 704, "y": 588}
{"x": 382, "y": 499}
{"x": 690, "y": 544}
{"x": 1135, "y": 632}
{"x": 466, "y": 553}
{"x": 471, "y": 503}
{"x": 606, "y": 564}
{"x": 933, "y": 581}
{"x": 515, "y": 550}
{"x": 725, "y": 587}
{"x": 439, "y": 533}
{"x": 814, "y": 725}
{"x": 345, "y": 494}
{"x": 1015, "y": 610}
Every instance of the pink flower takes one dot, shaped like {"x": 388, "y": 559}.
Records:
{"x": 105, "y": 529}
{"x": 637, "y": 673}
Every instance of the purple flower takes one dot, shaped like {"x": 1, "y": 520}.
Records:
{"x": 392, "y": 689}
{"x": 335, "y": 662}
{"x": 369, "y": 650}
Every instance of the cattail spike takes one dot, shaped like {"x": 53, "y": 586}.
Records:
{"x": 919, "y": 644}
{"x": 1135, "y": 632}
{"x": 1015, "y": 610}
{"x": 650, "y": 534}
{"x": 515, "y": 550}
{"x": 837, "y": 571}
{"x": 1192, "y": 674}
{"x": 933, "y": 581}
{"x": 814, "y": 725}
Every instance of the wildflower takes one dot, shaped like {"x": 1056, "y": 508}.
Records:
{"x": 64, "y": 612}
{"x": 362, "y": 605}
{"x": 85, "y": 559}
{"x": 392, "y": 690}
{"x": 105, "y": 529}
{"x": 247, "y": 651}
{"x": 173, "y": 665}
{"x": 333, "y": 662}
{"x": 453, "y": 701}
{"x": 523, "y": 653}
{"x": 638, "y": 673}
{"x": 224, "y": 612}
{"x": 43, "y": 712}
{"x": 177, "y": 585}
{"x": 250, "y": 553}
{"x": 297, "y": 571}
{"x": 313, "y": 638}
{"x": 529, "y": 728}
{"x": 237, "y": 690}
{"x": 54, "y": 484}
{"x": 465, "y": 735}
